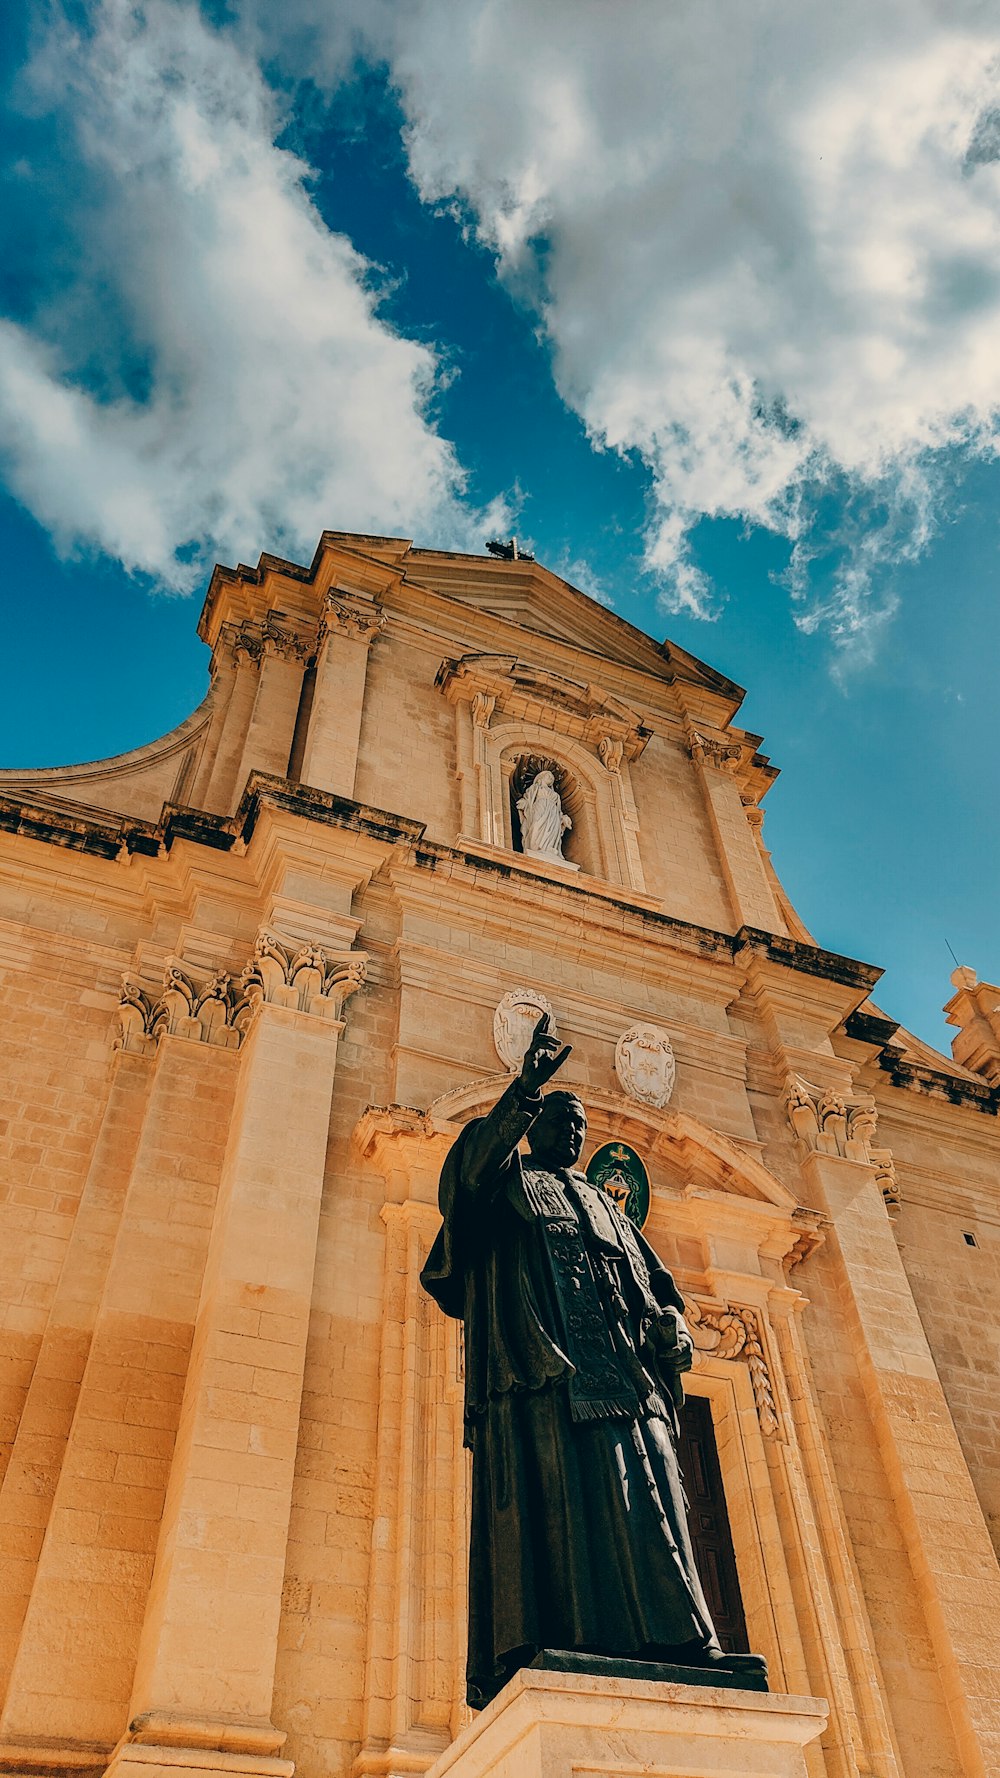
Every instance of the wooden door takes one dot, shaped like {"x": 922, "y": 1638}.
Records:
{"x": 708, "y": 1521}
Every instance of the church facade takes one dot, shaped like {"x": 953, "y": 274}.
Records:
{"x": 254, "y": 979}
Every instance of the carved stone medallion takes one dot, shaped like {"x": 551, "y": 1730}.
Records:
{"x": 618, "y": 1170}
{"x": 514, "y": 1022}
{"x": 644, "y": 1064}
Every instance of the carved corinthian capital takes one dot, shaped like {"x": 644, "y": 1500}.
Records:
{"x": 711, "y": 750}
{"x": 831, "y": 1122}
{"x": 203, "y": 1010}
{"x": 304, "y": 978}
{"x": 280, "y": 639}
{"x": 251, "y": 642}
{"x": 350, "y": 616}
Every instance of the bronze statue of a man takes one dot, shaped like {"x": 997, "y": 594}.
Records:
{"x": 574, "y": 1349}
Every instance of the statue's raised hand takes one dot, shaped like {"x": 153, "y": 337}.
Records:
{"x": 543, "y": 1056}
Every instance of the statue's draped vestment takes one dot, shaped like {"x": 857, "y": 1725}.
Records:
{"x": 579, "y": 1530}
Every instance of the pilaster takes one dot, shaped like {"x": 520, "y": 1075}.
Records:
{"x": 73, "y": 1670}
{"x": 950, "y": 1551}
{"x": 718, "y": 761}
{"x": 239, "y": 656}
{"x": 29, "y": 1483}
{"x": 282, "y": 654}
{"x": 348, "y": 626}
{"x": 414, "y": 1681}
{"x": 209, "y": 1639}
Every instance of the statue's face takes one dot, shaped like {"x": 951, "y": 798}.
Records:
{"x": 545, "y": 778}
{"x": 557, "y": 1139}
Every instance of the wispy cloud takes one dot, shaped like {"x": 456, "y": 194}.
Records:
{"x": 763, "y": 242}
{"x": 216, "y": 376}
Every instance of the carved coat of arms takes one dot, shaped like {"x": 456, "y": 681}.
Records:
{"x": 644, "y": 1064}
{"x": 514, "y": 1022}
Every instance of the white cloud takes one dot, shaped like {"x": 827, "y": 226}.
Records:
{"x": 763, "y": 241}
{"x": 258, "y": 395}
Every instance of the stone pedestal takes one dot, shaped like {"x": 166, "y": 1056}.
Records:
{"x": 557, "y": 1725}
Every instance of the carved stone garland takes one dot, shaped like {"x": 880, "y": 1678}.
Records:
{"x": 729, "y": 1330}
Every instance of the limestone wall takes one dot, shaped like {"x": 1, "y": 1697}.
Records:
{"x": 234, "y": 1501}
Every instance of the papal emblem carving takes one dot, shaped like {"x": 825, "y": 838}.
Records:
{"x": 644, "y": 1064}
{"x": 513, "y": 1023}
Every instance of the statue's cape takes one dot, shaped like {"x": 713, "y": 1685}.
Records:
{"x": 511, "y": 1261}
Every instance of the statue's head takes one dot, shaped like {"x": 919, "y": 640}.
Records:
{"x": 556, "y": 1138}
{"x": 545, "y": 778}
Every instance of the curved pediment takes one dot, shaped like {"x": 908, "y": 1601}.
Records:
{"x": 699, "y": 1158}
{"x": 521, "y": 690}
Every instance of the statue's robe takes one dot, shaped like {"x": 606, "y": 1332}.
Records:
{"x": 579, "y": 1535}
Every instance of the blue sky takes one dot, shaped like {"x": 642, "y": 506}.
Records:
{"x": 709, "y": 318}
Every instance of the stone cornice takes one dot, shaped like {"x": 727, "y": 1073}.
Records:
{"x": 111, "y": 836}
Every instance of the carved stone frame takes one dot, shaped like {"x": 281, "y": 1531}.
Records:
{"x": 505, "y": 708}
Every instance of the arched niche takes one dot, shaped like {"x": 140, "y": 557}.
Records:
{"x": 602, "y": 841}
{"x": 583, "y": 843}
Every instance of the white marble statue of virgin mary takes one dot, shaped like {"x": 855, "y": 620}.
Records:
{"x": 543, "y": 819}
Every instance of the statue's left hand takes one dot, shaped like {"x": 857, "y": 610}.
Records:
{"x": 541, "y": 1059}
{"x": 671, "y": 1340}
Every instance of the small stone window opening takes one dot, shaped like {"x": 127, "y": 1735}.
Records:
{"x": 580, "y": 844}
{"x": 969, "y": 1238}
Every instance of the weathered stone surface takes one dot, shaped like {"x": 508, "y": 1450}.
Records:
{"x": 233, "y": 1485}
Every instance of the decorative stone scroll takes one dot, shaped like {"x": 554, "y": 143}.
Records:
{"x": 886, "y": 1180}
{"x": 644, "y": 1064}
{"x": 513, "y": 1023}
{"x": 730, "y": 1330}
{"x": 482, "y": 707}
{"x": 220, "y": 1011}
